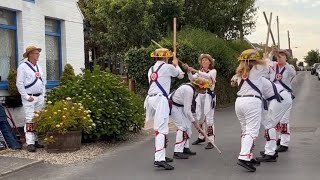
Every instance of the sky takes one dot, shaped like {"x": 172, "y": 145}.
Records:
{"x": 300, "y": 17}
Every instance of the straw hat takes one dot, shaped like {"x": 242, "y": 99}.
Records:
{"x": 285, "y": 52}
{"x": 201, "y": 82}
{"x": 206, "y": 56}
{"x": 30, "y": 49}
{"x": 250, "y": 55}
{"x": 162, "y": 52}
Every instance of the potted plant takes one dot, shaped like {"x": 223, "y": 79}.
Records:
{"x": 14, "y": 98}
{"x": 62, "y": 124}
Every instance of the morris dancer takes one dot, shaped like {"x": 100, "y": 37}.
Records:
{"x": 206, "y": 102}
{"x": 282, "y": 73}
{"x": 279, "y": 102}
{"x": 31, "y": 86}
{"x": 156, "y": 103}
{"x": 181, "y": 114}
{"x": 248, "y": 105}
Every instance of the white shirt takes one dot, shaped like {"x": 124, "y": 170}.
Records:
{"x": 211, "y": 75}
{"x": 164, "y": 77}
{"x": 184, "y": 96}
{"x": 255, "y": 78}
{"x": 26, "y": 76}
{"x": 267, "y": 89}
{"x": 287, "y": 76}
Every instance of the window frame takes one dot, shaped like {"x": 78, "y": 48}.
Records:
{"x": 54, "y": 83}
{"x": 4, "y": 84}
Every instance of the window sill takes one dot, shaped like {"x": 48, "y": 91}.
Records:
{"x": 3, "y": 85}
{"x": 50, "y": 84}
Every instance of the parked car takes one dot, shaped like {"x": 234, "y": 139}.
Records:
{"x": 318, "y": 72}
{"x": 314, "y": 67}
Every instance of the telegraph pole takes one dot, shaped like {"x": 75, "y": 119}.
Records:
{"x": 289, "y": 39}
{"x": 278, "y": 32}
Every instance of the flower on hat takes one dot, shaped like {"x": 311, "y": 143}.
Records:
{"x": 162, "y": 52}
{"x": 250, "y": 55}
{"x": 202, "y": 82}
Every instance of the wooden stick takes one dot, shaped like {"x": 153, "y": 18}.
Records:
{"x": 269, "y": 28}
{"x": 211, "y": 141}
{"x": 265, "y": 17}
{"x": 174, "y": 38}
{"x": 156, "y": 43}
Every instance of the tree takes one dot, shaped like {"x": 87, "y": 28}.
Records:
{"x": 300, "y": 63}
{"x": 312, "y": 57}
{"x": 228, "y": 19}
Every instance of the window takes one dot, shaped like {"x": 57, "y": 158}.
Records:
{"x": 8, "y": 48}
{"x": 53, "y": 50}
{"x": 30, "y": 1}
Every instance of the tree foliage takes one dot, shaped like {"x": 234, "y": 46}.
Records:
{"x": 191, "y": 43}
{"x": 115, "y": 26}
{"x": 312, "y": 57}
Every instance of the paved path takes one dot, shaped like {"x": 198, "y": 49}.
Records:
{"x": 135, "y": 161}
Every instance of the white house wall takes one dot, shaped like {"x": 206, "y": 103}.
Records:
{"x": 31, "y": 30}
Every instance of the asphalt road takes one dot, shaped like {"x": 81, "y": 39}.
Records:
{"x": 135, "y": 161}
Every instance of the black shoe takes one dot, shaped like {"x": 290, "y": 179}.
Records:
{"x": 267, "y": 158}
{"x": 31, "y": 148}
{"x": 188, "y": 151}
{"x": 209, "y": 146}
{"x": 169, "y": 159}
{"x": 255, "y": 162}
{"x": 275, "y": 154}
{"x": 246, "y": 164}
{"x": 198, "y": 141}
{"x": 282, "y": 148}
{"x": 37, "y": 145}
{"x": 163, "y": 164}
{"x": 278, "y": 142}
{"x": 180, "y": 155}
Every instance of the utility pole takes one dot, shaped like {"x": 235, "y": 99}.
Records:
{"x": 289, "y": 44}
{"x": 289, "y": 40}
{"x": 278, "y": 32}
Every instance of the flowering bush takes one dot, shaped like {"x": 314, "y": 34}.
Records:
{"x": 113, "y": 108}
{"x": 63, "y": 116}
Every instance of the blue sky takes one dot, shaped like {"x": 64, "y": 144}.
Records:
{"x": 300, "y": 17}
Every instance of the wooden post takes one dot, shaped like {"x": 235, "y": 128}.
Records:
{"x": 265, "y": 17}
{"x": 174, "y": 38}
{"x": 269, "y": 29}
{"x": 278, "y": 32}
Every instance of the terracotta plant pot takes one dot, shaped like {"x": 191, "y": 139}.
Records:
{"x": 67, "y": 142}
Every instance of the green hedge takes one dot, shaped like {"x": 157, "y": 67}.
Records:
{"x": 190, "y": 44}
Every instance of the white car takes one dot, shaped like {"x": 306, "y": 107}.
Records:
{"x": 317, "y": 70}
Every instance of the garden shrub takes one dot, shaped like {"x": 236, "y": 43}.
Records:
{"x": 114, "y": 109}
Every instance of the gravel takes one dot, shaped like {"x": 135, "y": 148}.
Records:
{"x": 87, "y": 152}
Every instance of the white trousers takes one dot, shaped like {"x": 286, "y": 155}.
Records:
{"x": 285, "y": 128}
{"x": 157, "y": 109}
{"x": 272, "y": 117}
{"x": 248, "y": 111}
{"x": 29, "y": 109}
{"x": 205, "y": 114}
{"x": 183, "y": 125}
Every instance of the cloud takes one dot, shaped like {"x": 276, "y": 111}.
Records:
{"x": 315, "y": 4}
